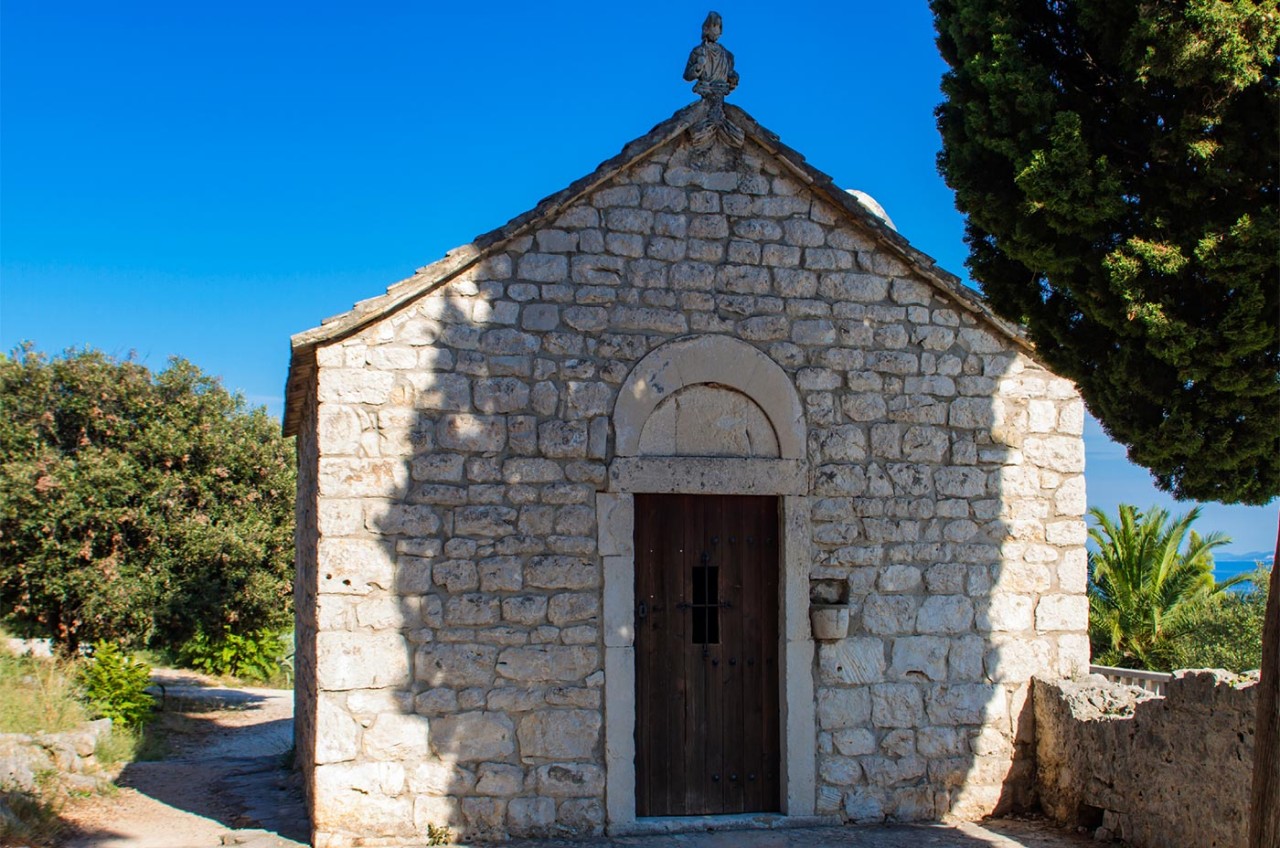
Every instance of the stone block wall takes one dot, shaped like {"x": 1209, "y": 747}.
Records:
{"x": 959, "y": 540}
{"x": 1151, "y": 771}
{"x": 461, "y": 442}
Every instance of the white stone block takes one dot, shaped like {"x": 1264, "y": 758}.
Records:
{"x": 354, "y": 385}
{"x": 852, "y": 661}
{"x": 1070, "y": 498}
{"x": 919, "y": 657}
{"x": 1073, "y": 571}
{"x": 559, "y": 734}
{"x": 548, "y": 663}
{"x": 1013, "y": 660}
{"x": 396, "y": 737}
{"x": 473, "y": 737}
{"x": 1057, "y": 453}
{"x": 897, "y": 705}
{"x": 1066, "y": 533}
{"x": 1006, "y": 612}
{"x": 1062, "y": 612}
{"x": 952, "y": 614}
{"x": 361, "y": 660}
{"x": 337, "y": 734}
{"x": 843, "y": 708}
{"x": 338, "y": 430}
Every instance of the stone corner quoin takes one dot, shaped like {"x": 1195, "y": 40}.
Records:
{"x": 460, "y": 501}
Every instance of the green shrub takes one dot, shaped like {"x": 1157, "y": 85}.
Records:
{"x": 259, "y": 655}
{"x": 115, "y": 686}
{"x": 1224, "y": 632}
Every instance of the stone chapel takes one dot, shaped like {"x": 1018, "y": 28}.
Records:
{"x": 693, "y": 497}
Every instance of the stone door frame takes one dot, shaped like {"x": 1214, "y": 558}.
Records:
{"x": 728, "y": 362}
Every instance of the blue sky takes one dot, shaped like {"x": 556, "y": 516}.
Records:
{"x": 207, "y": 179}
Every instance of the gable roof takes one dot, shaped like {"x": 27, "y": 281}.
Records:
{"x": 302, "y": 361}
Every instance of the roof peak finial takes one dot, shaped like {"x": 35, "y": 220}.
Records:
{"x": 710, "y": 64}
{"x": 712, "y": 67}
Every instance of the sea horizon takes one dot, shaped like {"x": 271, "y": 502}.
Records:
{"x": 1225, "y": 569}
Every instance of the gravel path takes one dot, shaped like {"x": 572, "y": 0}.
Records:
{"x": 224, "y": 781}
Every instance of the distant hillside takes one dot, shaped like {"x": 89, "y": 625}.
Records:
{"x": 1243, "y": 556}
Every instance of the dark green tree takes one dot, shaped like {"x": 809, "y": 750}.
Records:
{"x": 136, "y": 507}
{"x": 1117, "y": 164}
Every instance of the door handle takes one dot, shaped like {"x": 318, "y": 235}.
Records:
{"x": 642, "y": 611}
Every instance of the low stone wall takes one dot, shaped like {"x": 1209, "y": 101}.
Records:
{"x": 28, "y": 760}
{"x": 1154, "y": 771}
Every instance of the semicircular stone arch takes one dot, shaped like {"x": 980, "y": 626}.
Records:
{"x": 691, "y": 380}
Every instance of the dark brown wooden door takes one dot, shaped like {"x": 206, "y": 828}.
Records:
{"x": 706, "y": 654}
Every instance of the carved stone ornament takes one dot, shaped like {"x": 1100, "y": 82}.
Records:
{"x": 711, "y": 65}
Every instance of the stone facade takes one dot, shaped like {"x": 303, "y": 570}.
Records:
{"x": 1132, "y": 766}
{"x": 469, "y": 443}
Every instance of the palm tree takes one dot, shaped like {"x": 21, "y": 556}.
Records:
{"x": 1143, "y": 583}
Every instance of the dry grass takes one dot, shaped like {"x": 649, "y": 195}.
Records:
{"x": 34, "y": 820}
{"x": 38, "y": 695}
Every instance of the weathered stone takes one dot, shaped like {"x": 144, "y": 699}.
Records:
{"x": 361, "y": 660}
{"x": 561, "y": 572}
{"x": 500, "y": 780}
{"x": 852, "y": 660}
{"x": 570, "y": 780}
{"x": 485, "y": 520}
{"x": 951, "y": 614}
{"x": 560, "y": 734}
{"x": 896, "y": 705}
{"x": 525, "y": 609}
{"x": 548, "y": 662}
{"x": 455, "y": 665}
{"x": 337, "y": 734}
{"x": 471, "y": 433}
{"x": 1115, "y": 748}
{"x": 395, "y": 737}
{"x": 1062, "y": 612}
{"x": 473, "y": 737}
{"x": 531, "y": 816}
{"x": 841, "y": 709}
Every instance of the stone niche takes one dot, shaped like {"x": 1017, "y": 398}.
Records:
{"x": 704, "y": 314}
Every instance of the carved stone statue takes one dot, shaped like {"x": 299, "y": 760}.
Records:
{"x": 711, "y": 65}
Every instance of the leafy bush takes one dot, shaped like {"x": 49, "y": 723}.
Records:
{"x": 1224, "y": 632}
{"x": 115, "y": 686}
{"x": 258, "y": 655}
{"x": 138, "y": 507}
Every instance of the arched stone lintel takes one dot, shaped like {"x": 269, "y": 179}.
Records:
{"x": 709, "y": 359}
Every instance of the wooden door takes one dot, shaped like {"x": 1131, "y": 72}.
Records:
{"x": 706, "y": 654}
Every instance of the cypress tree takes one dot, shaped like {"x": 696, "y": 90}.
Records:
{"x": 1117, "y": 166}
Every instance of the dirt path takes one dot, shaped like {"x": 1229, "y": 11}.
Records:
{"x": 223, "y": 782}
